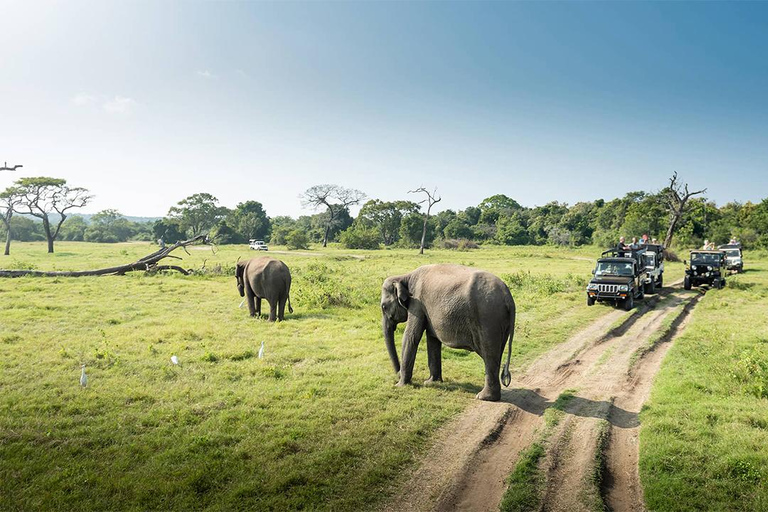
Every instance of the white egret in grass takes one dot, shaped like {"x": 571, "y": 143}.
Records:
{"x": 174, "y": 360}
{"x": 261, "y": 350}
{"x": 83, "y": 376}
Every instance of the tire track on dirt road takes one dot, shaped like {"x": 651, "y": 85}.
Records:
{"x": 467, "y": 466}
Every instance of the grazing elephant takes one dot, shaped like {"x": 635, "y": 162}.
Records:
{"x": 265, "y": 278}
{"x": 457, "y": 306}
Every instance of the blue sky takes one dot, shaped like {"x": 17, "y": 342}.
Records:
{"x": 145, "y": 103}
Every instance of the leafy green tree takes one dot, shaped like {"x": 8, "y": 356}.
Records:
{"x": 358, "y": 236}
{"x": 42, "y": 197}
{"x": 386, "y": 217}
{"x": 109, "y": 226}
{"x": 297, "y": 239}
{"x": 491, "y": 208}
{"x": 74, "y": 230}
{"x": 335, "y": 199}
{"x": 168, "y": 230}
{"x": 249, "y": 221}
{"x": 198, "y": 213}
{"x": 411, "y": 228}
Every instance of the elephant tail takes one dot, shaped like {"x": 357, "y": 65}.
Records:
{"x": 290, "y": 309}
{"x": 506, "y": 376}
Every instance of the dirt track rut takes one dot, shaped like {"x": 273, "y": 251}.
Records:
{"x": 611, "y": 370}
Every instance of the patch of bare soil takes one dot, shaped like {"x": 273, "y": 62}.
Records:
{"x": 467, "y": 466}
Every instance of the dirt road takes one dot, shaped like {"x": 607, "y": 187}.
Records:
{"x": 608, "y": 368}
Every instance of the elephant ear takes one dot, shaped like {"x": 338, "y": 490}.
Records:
{"x": 401, "y": 290}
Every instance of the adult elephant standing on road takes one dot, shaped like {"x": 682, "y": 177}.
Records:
{"x": 265, "y": 278}
{"x": 457, "y": 306}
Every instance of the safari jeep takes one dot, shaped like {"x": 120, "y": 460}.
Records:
{"x": 733, "y": 257}
{"x": 706, "y": 267}
{"x": 618, "y": 278}
{"x": 653, "y": 258}
{"x": 257, "y": 245}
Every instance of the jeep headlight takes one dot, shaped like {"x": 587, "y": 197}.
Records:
{"x": 592, "y": 286}
{"x": 709, "y": 267}
{"x": 623, "y": 288}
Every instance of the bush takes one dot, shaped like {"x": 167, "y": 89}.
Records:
{"x": 297, "y": 239}
{"x": 359, "y": 237}
{"x": 462, "y": 244}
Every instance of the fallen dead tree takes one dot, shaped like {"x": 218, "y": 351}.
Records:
{"x": 147, "y": 264}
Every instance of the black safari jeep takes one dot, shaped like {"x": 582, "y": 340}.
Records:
{"x": 706, "y": 267}
{"x": 619, "y": 278}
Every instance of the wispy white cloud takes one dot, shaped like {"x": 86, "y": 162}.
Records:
{"x": 241, "y": 72}
{"x": 119, "y": 105}
{"x": 83, "y": 99}
{"x": 204, "y": 73}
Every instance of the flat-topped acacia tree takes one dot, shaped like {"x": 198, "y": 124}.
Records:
{"x": 42, "y": 196}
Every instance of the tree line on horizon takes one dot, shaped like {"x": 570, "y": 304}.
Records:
{"x": 498, "y": 219}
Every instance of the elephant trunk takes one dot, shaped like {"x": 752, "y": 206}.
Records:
{"x": 388, "y": 327}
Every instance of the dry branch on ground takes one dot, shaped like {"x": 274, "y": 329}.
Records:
{"x": 147, "y": 264}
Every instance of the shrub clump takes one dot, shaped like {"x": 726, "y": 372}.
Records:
{"x": 459, "y": 244}
{"x": 319, "y": 286}
{"x": 751, "y": 370}
{"x": 359, "y": 237}
{"x": 297, "y": 239}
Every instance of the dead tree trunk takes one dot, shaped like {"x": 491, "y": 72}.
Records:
{"x": 430, "y": 200}
{"x": 677, "y": 201}
{"x": 147, "y": 263}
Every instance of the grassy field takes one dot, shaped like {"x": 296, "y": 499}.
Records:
{"x": 316, "y": 423}
{"x": 704, "y": 439}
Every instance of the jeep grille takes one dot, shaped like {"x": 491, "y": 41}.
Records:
{"x": 608, "y": 288}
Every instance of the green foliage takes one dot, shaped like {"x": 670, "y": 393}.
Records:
{"x": 297, "y": 239}
{"x": 359, "y": 237}
{"x": 197, "y": 214}
{"x": 386, "y": 217}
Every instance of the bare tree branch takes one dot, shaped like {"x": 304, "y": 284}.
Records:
{"x": 677, "y": 202}
{"x": 430, "y": 200}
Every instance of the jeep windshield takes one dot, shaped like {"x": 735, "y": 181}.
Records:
{"x": 649, "y": 259}
{"x": 705, "y": 259}
{"x": 610, "y": 268}
{"x": 732, "y": 253}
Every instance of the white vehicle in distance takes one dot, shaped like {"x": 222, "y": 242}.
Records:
{"x": 257, "y": 245}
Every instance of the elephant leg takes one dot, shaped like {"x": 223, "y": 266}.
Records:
{"x": 249, "y": 296}
{"x": 411, "y": 338}
{"x": 492, "y": 389}
{"x": 434, "y": 360}
{"x": 258, "y": 307}
{"x": 281, "y": 309}
{"x": 272, "y": 309}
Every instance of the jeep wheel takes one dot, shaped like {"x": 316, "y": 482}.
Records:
{"x": 687, "y": 283}
{"x": 629, "y": 303}
{"x": 716, "y": 284}
{"x": 650, "y": 288}
{"x": 590, "y": 301}
{"x": 661, "y": 281}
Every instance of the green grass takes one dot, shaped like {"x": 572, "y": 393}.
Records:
{"x": 525, "y": 482}
{"x": 317, "y": 423}
{"x": 704, "y": 434}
